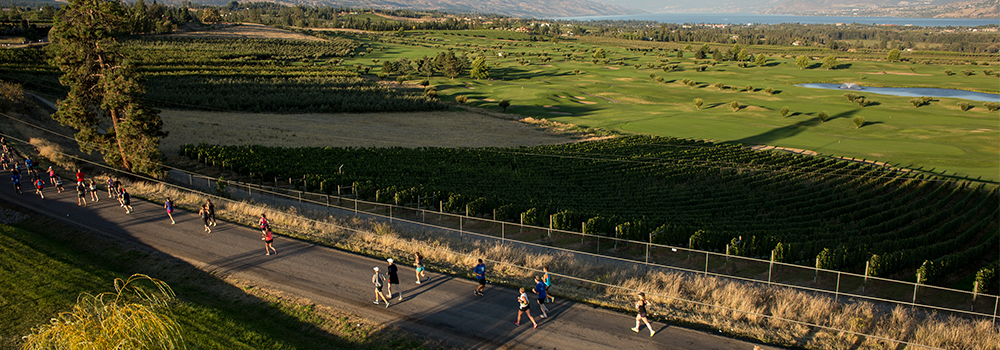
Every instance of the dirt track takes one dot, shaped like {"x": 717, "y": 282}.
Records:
{"x": 424, "y": 129}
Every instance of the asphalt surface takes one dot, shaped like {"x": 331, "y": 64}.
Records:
{"x": 443, "y": 308}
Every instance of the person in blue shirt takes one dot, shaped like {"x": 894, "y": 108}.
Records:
{"x": 15, "y": 178}
{"x": 480, "y": 272}
{"x": 542, "y": 298}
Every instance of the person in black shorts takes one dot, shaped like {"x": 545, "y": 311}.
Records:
{"x": 378, "y": 280}
{"x": 524, "y": 307}
{"x": 126, "y": 199}
{"x": 211, "y": 212}
{"x": 203, "y": 213}
{"x": 640, "y": 307}
{"x": 393, "y": 272}
{"x": 15, "y": 178}
{"x": 480, "y": 271}
{"x": 81, "y": 194}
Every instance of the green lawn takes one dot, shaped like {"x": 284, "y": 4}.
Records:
{"x": 938, "y": 136}
{"x": 47, "y": 265}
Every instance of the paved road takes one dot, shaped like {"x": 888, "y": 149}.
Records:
{"x": 443, "y": 308}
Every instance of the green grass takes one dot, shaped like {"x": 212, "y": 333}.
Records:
{"x": 47, "y": 265}
{"x": 937, "y": 136}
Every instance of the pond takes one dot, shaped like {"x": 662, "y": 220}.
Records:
{"x": 911, "y": 92}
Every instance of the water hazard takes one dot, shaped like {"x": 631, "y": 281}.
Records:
{"x": 910, "y": 92}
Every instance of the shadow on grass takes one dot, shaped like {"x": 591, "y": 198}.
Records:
{"x": 784, "y": 132}
{"x": 212, "y": 313}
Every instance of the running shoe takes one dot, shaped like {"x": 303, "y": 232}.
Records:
{"x": 376, "y": 302}
{"x": 517, "y": 323}
{"x": 535, "y": 326}
{"x": 635, "y": 329}
{"x": 651, "y": 333}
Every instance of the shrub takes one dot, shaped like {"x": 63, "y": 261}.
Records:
{"x": 749, "y": 88}
{"x": 988, "y": 279}
{"x": 698, "y": 102}
{"x": 949, "y": 73}
{"x": 784, "y": 111}
{"x": 964, "y": 106}
{"x": 461, "y": 99}
{"x": 823, "y": 116}
{"x": 504, "y": 104}
{"x": 859, "y": 122}
{"x": 864, "y": 102}
{"x": 425, "y": 83}
{"x": 968, "y": 72}
{"x": 992, "y": 106}
{"x": 852, "y": 96}
{"x": 719, "y": 85}
{"x": 769, "y": 91}
{"x": 432, "y": 93}
{"x": 735, "y": 106}
{"x": 920, "y": 101}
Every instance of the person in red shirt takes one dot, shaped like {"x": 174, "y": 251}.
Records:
{"x": 79, "y": 176}
{"x": 39, "y": 184}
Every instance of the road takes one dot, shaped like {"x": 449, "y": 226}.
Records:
{"x": 443, "y": 308}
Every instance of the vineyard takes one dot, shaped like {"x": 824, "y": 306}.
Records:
{"x": 808, "y": 210}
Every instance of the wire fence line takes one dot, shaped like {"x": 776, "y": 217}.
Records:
{"x": 837, "y": 283}
{"x": 372, "y": 235}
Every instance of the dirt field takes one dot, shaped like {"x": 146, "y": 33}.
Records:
{"x": 247, "y": 31}
{"x": 427, "y": 129}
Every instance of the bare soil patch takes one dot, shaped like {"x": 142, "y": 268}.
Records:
{"x": 424, "y": 129}
{"x": 247, "y": 31}
{"x": 900, "y": 73}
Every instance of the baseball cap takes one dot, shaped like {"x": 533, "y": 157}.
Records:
{"x": 375, "y": 268}
{"x": 389, "y": 260}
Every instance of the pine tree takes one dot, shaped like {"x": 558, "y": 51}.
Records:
{"x": 480, "y": 70}
{"x": 105, "y": 89}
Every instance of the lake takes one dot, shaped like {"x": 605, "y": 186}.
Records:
{"x": 747, "y": 18}
{"x": 912, "y": 92}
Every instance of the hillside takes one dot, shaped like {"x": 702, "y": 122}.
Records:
{"x": 539, "y": 8}
{"x": 895, "y": 8}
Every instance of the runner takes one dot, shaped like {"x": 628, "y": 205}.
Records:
{"x": 418, "y": 262}
{"x": 15, "y": 178}
{"x": 548, "y": 283}
{"x": 29, "y": 166}
{"x": 204, "y": 217}
{"x": 3, "y": 142}
{"x": 264, "y": 226}
{"x": 52, "y": 175}
{"x": 268, "y": 238}
{"x": 111, "y": 187}
{"x": 640, "y": 306}
{"x": 4, "y": 160}
{"x": 126, "y": 200}
{"x": 169, "y": 205}
{"x": 378, "y": 280}
{"x": 480, "y": 271}
{"x": 524, "y": 308}
{"x": 81, "y": 194}
{"x": 393, "y": 272}
{"x": 93, "y": 192}
{"x": 59, "y": 184}
{"x": 542, "y": 298}
{"x": 79, "y": 175}
{"x": 39, "y": 184}
{"x": 211, "y": 212}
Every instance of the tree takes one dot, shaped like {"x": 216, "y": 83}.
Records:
{"x": 859, "y": 121}
{"x": 769, "y": 90}
{"x": 830, "y": 62}
{"x": 893, "y": 55}
{"x": 964, "y": 106}
{"x": 687, "y": 47}
{"x": 823, "y": 116}
{"x": 504, "y": 104}
{"x": 749, "y": 88}
{"x": 802, "y": 62}
{"x": 480, "y": 70}
{"x": 743, "y": 56}
{"x": 599, "y": 53}
{"x": 784, "y": 111}
{"x": 461, "y": 99}
{"x": 105, "y": 89}
{"x": 210, "y": 15}
{"x": 698, "y": 102}
{"x": 735, "y": 106}
{"x": 761, "y": 60}
{"x": 129, "y": 318}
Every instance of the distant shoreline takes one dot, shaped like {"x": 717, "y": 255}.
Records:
{"x": 753, "y": 18}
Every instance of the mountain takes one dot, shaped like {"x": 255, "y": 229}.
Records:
{"x": 517, "y": 8}
{"x": 899, "y": 8}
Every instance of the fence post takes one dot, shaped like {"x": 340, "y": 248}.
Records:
{"x": 865, "y": 283}
{"x": 503, "y": 234}
{"x": 770, "y": 267}
{"x": 390, "y": 214}
{"x": 583, "y": 231}
{"x": 616, "y": 237}
{"x": 706, "y": 263}
{"x": 915, "y": 288}
{"x": 289, "y": 183}
{"x": 494, "y": 215}
{"x": 727, "y": 253}
{"x": 816, "y": 277}
{"x": 551, "y": 219}
{"x": 441, "y": 206}
{"x": 836, "y": 293}
{"x": 996, "y": 304}
{"x": 466, "y": 210}
{"x": 190, "y": 179}
{"x": 975, "y": 289}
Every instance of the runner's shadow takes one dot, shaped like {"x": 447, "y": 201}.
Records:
{"x": 428, "y": 285}
{"x": 246, "y": 260}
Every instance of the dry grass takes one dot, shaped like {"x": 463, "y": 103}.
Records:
{"x": 732, "y": 307}
{"x": 53, "y": 152}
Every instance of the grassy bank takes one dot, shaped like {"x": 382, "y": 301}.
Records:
{"x": 48, "y": 264}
